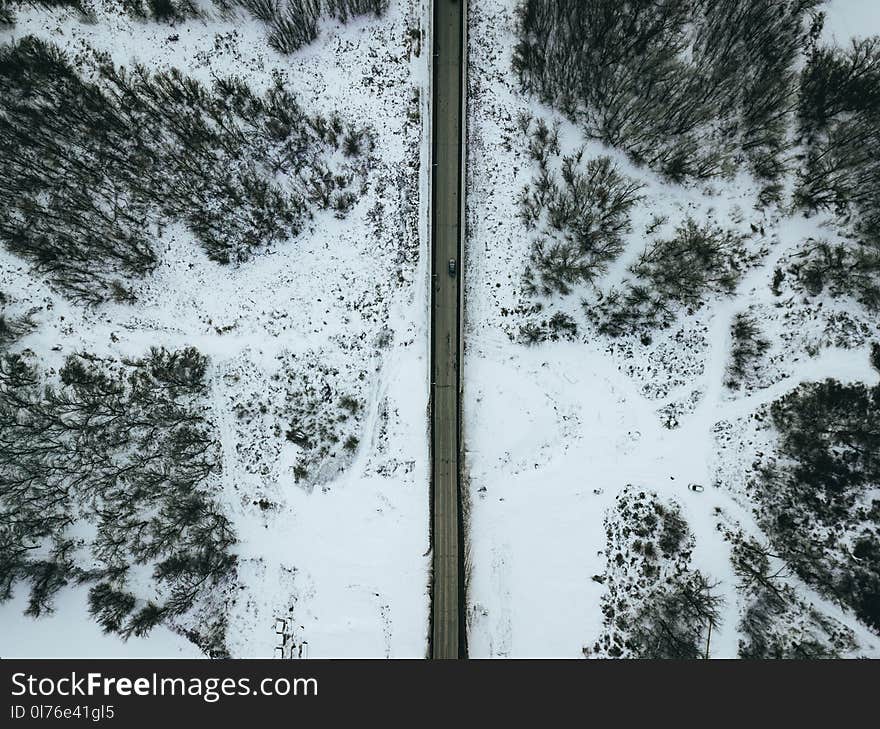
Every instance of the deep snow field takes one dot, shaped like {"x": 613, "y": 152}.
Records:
{"x": 333, "y": 563}
{"x": 560, "y": 436}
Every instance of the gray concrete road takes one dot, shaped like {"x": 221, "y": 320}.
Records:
{"x": 447, "y": 640}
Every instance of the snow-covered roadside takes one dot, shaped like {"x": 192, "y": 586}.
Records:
{"x": 555, "y": 432}
{"x": 343, "y": 560}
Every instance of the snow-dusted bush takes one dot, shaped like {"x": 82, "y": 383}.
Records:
{"x": 346, "y": 9}
{"x": 577, "y": 219}
{"x": 13, "y": 324}
{"x": 747, "y": 347}
{"x": 558, "y": 326}
{"x": 698, "y": 259}
{"x": 672, "y": 275}
{"x": 656, "y": 605}
{"x": 294, "y": 23}
{"x": 7, "y": 8}
{"x": 163, "y": 11}
{"x": 840, "y": 270}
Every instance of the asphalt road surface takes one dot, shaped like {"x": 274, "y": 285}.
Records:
{"x": 447, "y": 640}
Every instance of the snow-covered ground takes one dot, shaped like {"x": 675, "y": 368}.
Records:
{"x": 342, "y": 559}
{"x": 69, "y": 633}
{"x": 554, "y": 432}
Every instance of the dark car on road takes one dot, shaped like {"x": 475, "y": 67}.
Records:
{"x": 452, "y": 267}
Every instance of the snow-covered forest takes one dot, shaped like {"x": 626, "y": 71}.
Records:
{"x": 213, "y": 349}
{"x": 673, "y": 286}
